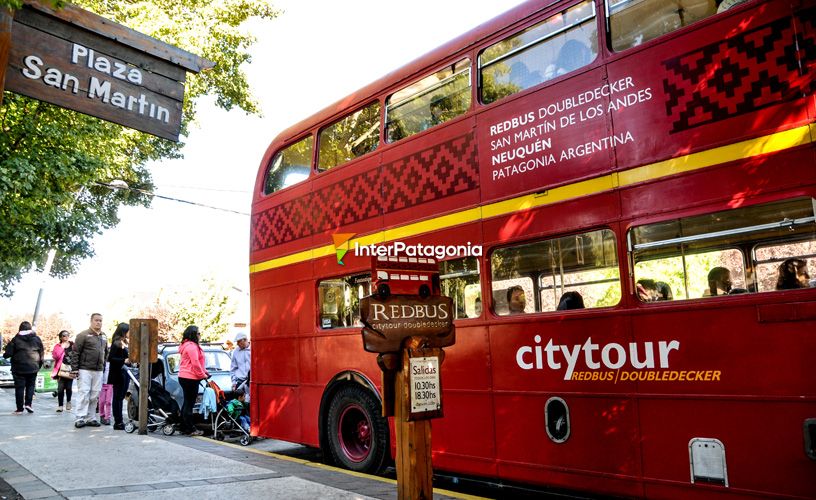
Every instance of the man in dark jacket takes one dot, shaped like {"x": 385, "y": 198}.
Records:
{"x": 26, "y": 353}
{"x": 88, "y": 358}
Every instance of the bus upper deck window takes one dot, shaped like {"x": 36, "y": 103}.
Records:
{"x": 562, "y": 43}
{"x": 737, "y": 251}
{"x": 428, "y": 102}
{"x": 289, "y": 166}
{"x": 572, "y": 272}
{"x": 632, "y": 22}
{"x": 350, "y": 137}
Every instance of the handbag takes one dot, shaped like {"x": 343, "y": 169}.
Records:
{"x": 65, "y": 371}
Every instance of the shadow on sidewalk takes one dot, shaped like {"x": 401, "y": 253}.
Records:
{"x": 7, "y": 492}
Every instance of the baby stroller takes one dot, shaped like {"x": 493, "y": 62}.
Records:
{"x": 227, "y": 419}
{"x": 162, "y": 410}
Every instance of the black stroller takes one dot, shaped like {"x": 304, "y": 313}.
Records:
{"x": 163, "y": 412}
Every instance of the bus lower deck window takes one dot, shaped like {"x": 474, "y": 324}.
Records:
{"x": 750, "y": 249}
{"x": 571, "y": 272}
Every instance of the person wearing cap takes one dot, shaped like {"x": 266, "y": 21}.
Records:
{"x": 239, "y": 368}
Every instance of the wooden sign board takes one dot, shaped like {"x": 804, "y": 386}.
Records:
{"x": 77, "y": 60}
{"x": 388, "y": 322}
{"x": 135, "y": 339}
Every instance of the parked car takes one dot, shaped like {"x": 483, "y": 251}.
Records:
{"x": 6, "y": 379}
{"x": 165, "y": 370}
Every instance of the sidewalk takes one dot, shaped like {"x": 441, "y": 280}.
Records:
{"x": 42, "y": 455}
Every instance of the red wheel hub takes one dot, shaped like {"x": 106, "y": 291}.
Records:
{"x": 354, "y": 433}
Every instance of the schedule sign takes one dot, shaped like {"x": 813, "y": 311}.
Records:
{"x": 426, "y": 390}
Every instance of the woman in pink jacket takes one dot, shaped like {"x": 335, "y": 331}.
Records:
{"x": 191, "y": 373}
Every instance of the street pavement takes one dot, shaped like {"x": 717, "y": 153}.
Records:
{"x": 42, "y": 455}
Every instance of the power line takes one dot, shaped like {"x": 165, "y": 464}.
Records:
{"x": 199, "y": 188}
{"x": 123, "y": 185}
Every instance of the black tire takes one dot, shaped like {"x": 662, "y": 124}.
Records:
{"x": 132, "y": 409}
{"x": 357, "y": 432}
{"x": 383, "y": 290}
{"x": 424, "y": 291}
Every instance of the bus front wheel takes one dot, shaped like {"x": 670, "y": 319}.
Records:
{"x": 357, "y": 433}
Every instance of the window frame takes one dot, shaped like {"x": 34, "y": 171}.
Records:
{"x": 281, "y": 149}
{"x": 318, "y": 303}
{"x": 748, "y": 251}
{"x": 694, "y": 25}
{"x": 477, "y": 272}
{"x": 386, "y": 105}
{"x": 319, "y": 131}
{"x": 553, "y": 11}
{"x": 536, "y": 279}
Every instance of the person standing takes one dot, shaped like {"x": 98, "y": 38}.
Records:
{"x": 62, "y": 370}
{"x": 240, "y": 364}
{"x": 191, "y": 373}
{"x": 118, "y": 358}
{"x": 26, "y": 353}
{"x": 88, "y": 359}
{"x": 105, "y": 397}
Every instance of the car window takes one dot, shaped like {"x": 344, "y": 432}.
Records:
{"x": 213, "y": 361}
{"x": 4, "y": 362}
{"x": 217, "y": 360}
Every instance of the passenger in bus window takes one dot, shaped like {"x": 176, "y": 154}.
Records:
{"x": 521, "y": 76}
{"x": 440, "y": 109}
{"x": 573, "y": 55}
{"x": 719, "y": 282}
{"x": 516, "y": 300}
{"x": 569, "y": 301}
{"x": 793, "y": 274}
{"x": 477, "y": 308}
{"x": 650, "y": 290}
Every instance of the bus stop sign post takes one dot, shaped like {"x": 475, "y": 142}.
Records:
{"x": 408, "y": 332}
{"x": 144, "y": 337}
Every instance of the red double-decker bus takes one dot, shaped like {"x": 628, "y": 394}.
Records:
{"x": 640, "y": 317}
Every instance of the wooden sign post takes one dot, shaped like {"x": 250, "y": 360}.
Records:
{"x": 408, "y": 332}
{"x": 144, "y": 338}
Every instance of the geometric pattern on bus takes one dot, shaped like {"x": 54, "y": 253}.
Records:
{"x": 740, "y": 74}
{"x": 444, "y": 170}
{"x": 432, "y": 174}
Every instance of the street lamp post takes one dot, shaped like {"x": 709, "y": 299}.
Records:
{"x": 46, "y": 272}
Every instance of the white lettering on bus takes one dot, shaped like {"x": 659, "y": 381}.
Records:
{"x": 531, "y": 357}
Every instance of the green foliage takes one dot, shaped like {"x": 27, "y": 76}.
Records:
{"x": 209, "y": 307}
{"x": 52, "y": 160}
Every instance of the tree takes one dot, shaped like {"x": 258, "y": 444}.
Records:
{"x": 48, "y": 328}
{"x": 53, "y": 160}
{"x": 209, "y": 308}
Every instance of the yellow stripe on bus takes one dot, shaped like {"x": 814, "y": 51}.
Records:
{"x": 753, "y": 147}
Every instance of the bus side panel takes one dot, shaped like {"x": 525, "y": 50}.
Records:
{"x": 763, "y": 444}
{"x": 707, "y": 96}
{"x": 526, "y": 374}
{"x": 309, "y": 410}
{"x": 346, "y": 199}
{"x": 276, "y": 311}
{"x": 276, "y": 360}
{"x": 278, "y": 411}
{"x": 733, "y": 395}
{"x": 430, "y": 174}
{"x": 572, "y": 215}
{"x": 342, "y": 350}
{"x": 734, "y": 182}
{"x": 526, "y": 145}
{"x": 283, "y": 226}
{"x": 461, "y": 442}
